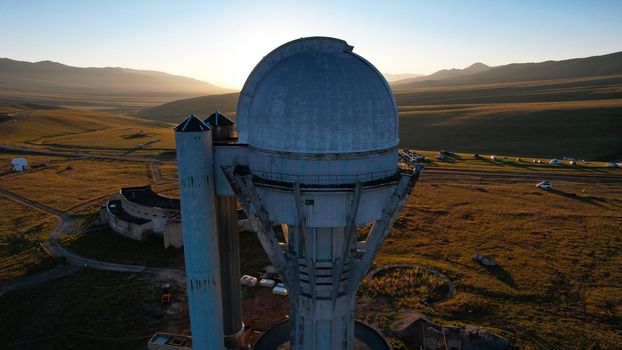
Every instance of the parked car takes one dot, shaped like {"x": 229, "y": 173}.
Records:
{"x": 545, "y": 185}
{"x": 249, "y": 281}
{"x": 572, "y": 162}
{"x": 611, "y": 165}
{"x": 493, "y": 158}
{"x": 266, "y": 282}
{"x": 279, "y": 289}
{"x": 440, "y": 157}
{"x": 555, "y": 162}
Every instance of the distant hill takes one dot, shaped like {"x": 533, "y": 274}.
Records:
{"x": 594, "y": 66}
{"x": 401, "y": 76}
{"x": 446, "y": 74}
{"x": 177, "y": 111}
{"x": 531, "y": 114}
{"x": 48, "y": 81}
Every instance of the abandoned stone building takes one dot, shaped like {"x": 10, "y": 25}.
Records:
{"x": 139, "y": 212}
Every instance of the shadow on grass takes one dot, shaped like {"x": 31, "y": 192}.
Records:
{"x": 592, "y": 169}
{"x": 447, "y": 160}
{"x": 101, "y": 243}
{"x": 502, "y": 162}
{"x": 599, "y": 202}
{"x": 502, "y": 275}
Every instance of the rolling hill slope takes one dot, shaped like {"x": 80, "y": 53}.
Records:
{"x": 51, "y": 82}
{"x": 593, "y": 66}
{"x": 577, "y": 116}
{"x": 69, "y": 129}
{"x": 177, "y": 111}
{"x": 401, "y": 76}
{"x": 445, "y": 74}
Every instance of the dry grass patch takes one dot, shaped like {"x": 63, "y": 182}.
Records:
{"x": 557, "y": 283}
{"x": 85, "y": 130}
{"x": 22, "y": 230}
{"x": 406, "y": 287}
{"x": 68, "y": 184}
{"x": 122, "y": 138}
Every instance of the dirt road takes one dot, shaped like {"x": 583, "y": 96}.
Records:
{"x": 431, "y": 173}
{"x": 69, "y": 224}
{"x": 81, "y": 155}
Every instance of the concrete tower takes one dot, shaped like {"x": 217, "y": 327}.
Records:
{"x": 321, "y": 127}
{"x": 196, "y": 189}
{"x": 223, "y": 133}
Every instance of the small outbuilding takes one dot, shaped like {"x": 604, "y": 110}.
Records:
{"x": 19, "y": 164}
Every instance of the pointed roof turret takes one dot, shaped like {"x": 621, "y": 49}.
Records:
{"x": 192, "y": 124}
{"x": 218, "y": 119}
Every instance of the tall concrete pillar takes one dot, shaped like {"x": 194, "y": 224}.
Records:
{"x": 229, "y": 242}
{"x": 322, "y": 316}
{"x": 198, "y": 200}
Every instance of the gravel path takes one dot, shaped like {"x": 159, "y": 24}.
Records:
{"x": 69, "y": 224}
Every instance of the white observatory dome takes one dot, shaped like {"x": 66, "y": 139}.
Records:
{"x": 314, "y": 95}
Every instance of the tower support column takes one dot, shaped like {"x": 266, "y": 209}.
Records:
{"x": 197, "y": 198}
{"x": 321, "y": 266}
{"x": 229, "y": 245}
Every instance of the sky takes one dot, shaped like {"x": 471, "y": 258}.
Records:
{"x": 221, "y": 41}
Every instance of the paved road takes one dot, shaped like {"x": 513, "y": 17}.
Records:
{"x": 69, "y": 225}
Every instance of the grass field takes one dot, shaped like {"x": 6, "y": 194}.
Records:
{"x": 67, "y": 184}
{"x": 104, "y": 244}
{"x": 81, "y": 130}
{"x": 33, "y": 160}
{"x": 557, "y": 284}
{"x": 547, "y": 118}
{"x": 90, "y": 310}
{"x": 556, "y": 287}
{"x": 22, "y": 230}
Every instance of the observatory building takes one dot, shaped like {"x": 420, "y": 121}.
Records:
{"x": 139, "y": 212}
{"x": 317, "y": 153}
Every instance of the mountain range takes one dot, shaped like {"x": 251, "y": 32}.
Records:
{"x": 49, "y": 81}
{"x": 409, "y": 91}
{"x": 445, "y": 74}
{"x": 479, "y": 73}
{"x": 400, "y": 76}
